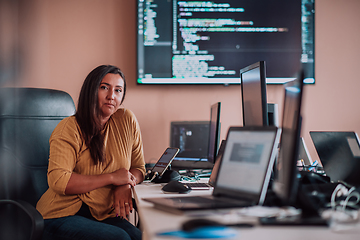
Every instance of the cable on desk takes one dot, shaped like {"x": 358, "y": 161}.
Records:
{"x": 155, "y": 174}
{"x": 342, "y": 190}
{"x": 343, "y": 211}
{"x": 194, "y": 174}
{"x": 351, "y": 194}
{"x": 190, "y": 179}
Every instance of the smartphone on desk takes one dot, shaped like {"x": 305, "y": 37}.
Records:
{"x": 163, "y": 163}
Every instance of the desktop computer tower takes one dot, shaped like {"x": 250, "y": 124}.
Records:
{"x": 273, "y": 114}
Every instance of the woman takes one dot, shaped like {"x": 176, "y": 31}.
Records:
{"x": 96, "y": 157}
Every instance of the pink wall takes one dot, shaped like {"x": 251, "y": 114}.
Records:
{"x": 64, "y": 39}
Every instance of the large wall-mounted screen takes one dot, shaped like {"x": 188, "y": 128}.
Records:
{"x": 208, "y": 42}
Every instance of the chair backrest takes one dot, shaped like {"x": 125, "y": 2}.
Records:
{"x": 27, "y": 118}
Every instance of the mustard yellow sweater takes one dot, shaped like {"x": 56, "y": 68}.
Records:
{"x": 68, "y": 153}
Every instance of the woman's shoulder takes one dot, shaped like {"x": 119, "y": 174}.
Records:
{"x": 125, "y": 117}
{"x": 124, "y": 113}
{"x": 66, "y": 126}
{"x": 68, "y": 121}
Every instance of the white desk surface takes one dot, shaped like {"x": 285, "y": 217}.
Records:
{"x": 154, "y": 221}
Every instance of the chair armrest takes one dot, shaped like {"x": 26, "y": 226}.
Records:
{"x": 37, "y": 221}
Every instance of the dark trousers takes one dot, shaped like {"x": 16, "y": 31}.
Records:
{"x": 84, "y": 226}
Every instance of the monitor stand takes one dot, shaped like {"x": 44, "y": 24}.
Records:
{"x": 169, "y": 175}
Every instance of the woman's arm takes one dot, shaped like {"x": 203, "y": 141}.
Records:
{"x": 123, "y": 195}
{"x": 138, "y": 175}
{"x": 123, "y": 201}
{"x": 79, "y": 183}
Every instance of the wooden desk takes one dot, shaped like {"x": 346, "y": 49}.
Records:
{"x": 154, "y": 221}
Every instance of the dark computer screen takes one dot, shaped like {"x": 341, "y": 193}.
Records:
{"x": 198, "y": 141}
{"x": 285, "y": 183}
{"x": 253, "y": 95}
{"x": 208, "y": 42}
{"x": 192, "y": 138}
{"x": 214, "y": 133}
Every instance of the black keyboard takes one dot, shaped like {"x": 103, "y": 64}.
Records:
{"x": 198, "y": 185}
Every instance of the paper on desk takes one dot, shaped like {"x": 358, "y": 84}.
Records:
{"x": 262, "y": 211}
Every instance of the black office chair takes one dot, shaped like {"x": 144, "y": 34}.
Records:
{"x": 27, "y": 118}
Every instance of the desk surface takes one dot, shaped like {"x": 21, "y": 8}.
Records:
{"x": 154, "y": 221}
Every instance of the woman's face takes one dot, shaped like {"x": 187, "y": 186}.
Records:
{"x": 110, "y": 94}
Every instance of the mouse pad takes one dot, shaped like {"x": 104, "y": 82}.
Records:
{"x": 203, "y": 232}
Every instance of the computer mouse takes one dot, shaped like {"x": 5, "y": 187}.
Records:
{"x": 175, "y": 187}
{"x": 198, "y": 223}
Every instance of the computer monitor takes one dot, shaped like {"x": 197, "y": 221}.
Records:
{"x": 192, "y": 137}
{"x": 198, "y": 141}
{"x": 214, "y": 133}
{"x": 253, "y": 95}
{"x": 285, "y": 184}
{"x": 196, "y": 42}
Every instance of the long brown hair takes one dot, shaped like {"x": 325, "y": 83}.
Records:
{"x": 87, "y": 114}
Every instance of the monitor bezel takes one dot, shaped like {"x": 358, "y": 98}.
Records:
{"x": 214, "y": 138}
{"x": 286, "y": 186}
{"x": 262, "y": 72}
